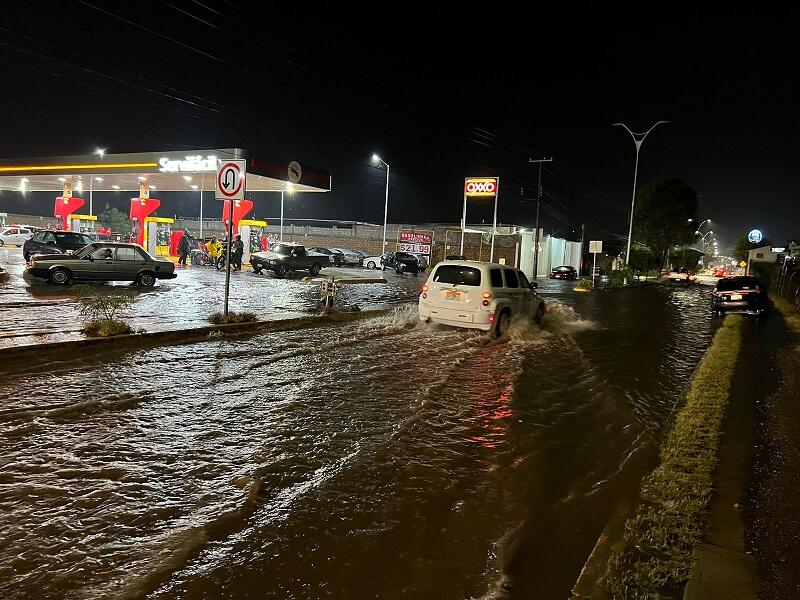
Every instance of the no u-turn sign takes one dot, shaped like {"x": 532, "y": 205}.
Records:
{"x": 231, "y": 179}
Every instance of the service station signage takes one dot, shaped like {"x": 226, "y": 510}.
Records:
{"x": 415, "y": 242}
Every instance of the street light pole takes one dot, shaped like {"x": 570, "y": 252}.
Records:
{"x": 376, "y": 158}
{"x": 281, "y": 215}
{"x": 638, "y": 140}
{"x": 538, "y": 201}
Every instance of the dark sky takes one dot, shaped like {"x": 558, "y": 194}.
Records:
{"x": 439, "y": 95}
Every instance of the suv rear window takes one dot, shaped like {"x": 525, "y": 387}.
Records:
{"x": 737, "y": 283}
{"x": 511, "y": 278}
{"x": 497, "y": 278}
{"x": 457, "y": 275}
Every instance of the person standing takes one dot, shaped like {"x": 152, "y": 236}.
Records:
{"x": 214, "y": 250}
{"x": 183, "y": 248}
{"x": 237, "y": 249}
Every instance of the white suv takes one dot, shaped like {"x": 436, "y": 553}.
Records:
{"x": 478, "y": 295}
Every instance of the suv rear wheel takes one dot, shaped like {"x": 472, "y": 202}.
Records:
{"x": 503, "y": 321}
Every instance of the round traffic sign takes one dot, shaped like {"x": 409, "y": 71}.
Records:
{"x": 295, "y": 171}
{"x": 230, "y": 180}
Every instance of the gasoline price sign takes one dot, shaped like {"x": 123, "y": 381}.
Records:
{"x": 415, "y": 248}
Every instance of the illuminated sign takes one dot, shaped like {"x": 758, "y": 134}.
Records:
{"x": 755, "y": 236}
{"x": 192, "y": 164}
{"x": 414, "y": 237}
{"x": 480, "y": 186}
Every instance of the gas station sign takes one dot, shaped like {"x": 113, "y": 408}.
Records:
{"x": 192, "y": 164}
{"x": 415, "y": 242}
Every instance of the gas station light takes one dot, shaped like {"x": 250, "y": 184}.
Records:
{"x": 140, "y": 178}
{"x": 194, "y": 187}
{"x": 116, "y": 187}
{"x": 100, "y": 152}
{"x": 152, "y": 187}
{"x": 98, "y": 179}
{"x": 187, "y": 178}
{"x": 62, "y": 179}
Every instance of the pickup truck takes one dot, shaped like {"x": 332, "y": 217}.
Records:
{"x": 282, "y": 258}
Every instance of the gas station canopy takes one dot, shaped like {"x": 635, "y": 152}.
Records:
{"x": 184, "y": 171}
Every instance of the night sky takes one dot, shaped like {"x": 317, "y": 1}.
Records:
{"x": 439, "y": 96}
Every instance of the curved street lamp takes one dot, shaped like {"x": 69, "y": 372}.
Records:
{"x": 376, "y": 159}
{"x": 638, "y": 140}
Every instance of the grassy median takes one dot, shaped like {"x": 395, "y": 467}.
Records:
{"x": 790, "y": 315}
{"x": 658, "y": 540}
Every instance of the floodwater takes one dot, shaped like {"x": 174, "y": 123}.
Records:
{"x": 383, "y": 458}
{"x": 33, "y": 311}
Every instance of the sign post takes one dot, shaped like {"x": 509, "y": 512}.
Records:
{"x": 480, "y": 187}
{"x": 595, "y": 247}
{"x": 230, "y": 186}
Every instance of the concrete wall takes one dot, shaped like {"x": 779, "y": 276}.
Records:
{"x": 553, "y": 252}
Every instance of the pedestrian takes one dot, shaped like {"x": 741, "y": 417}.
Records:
{"x": 183, "y": 248}
{"x": 237, "y": 249}
{"x": 214, "y": 250}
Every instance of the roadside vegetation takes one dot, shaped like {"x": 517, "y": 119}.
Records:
{"x": 233, "y": 317}
{"x": 100, "y": 312}
{"x": 790, "y": 315}
{"x": 655, "y": 556}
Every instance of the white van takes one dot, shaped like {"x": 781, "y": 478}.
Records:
{"x": 478, "y": 295}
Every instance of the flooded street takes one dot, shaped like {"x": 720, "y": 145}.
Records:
{"x": 383, "y": 458}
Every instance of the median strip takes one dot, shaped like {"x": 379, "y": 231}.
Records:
{"x": 655, "y": 556}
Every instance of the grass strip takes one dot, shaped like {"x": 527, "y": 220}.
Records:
{"x": 790, "y": 315}
{"x": 656, "y": 555}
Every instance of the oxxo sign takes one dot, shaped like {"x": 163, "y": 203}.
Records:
{"x": 484, "y": 187}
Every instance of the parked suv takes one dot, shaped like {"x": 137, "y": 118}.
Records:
{"x": 478, "y": 295}
{"x": 402, "y": 262}
{"x": 54, "y": 242}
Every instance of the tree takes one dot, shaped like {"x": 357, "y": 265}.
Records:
{"x": 116, "y": 220}
{"x": 742, "y": 247}
{"x": 665, "y": 215}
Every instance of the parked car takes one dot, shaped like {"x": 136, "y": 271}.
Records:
{"x": 401, "y": 262}
{"x": 478, "y": 295}
{"x": 15, "y": 235}
{"x": 349, "y": 257}
{"x": 422, "y": 260}
{"x": 103, "y": 261}
{"x": 54, "y": 242}
{"x": 283, "y": 258}
{"x": 335, "y": 258}
{"x": 739, "y": 294}
{"x": 564, "y": 272}
{"x": 372, "y": 262}
{"x": 680, "y": 275}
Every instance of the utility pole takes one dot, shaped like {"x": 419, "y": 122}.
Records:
{"x": 580, "y": 265}
{"x": 538, "y": 202}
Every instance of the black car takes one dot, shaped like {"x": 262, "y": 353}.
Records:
{"x": 402, "y": 262}
{"x": 336, "y": 258}
{"x": 564, "y": 272}
{"x": 739, "y": 294}
{"x": 55, "y": 242}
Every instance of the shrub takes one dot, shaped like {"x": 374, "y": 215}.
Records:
{"x": 243, "y": 317}
{"x": 99, "y": 311}
{"x": 106, "y": 328}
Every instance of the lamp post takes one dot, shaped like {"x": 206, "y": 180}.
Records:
{"x": 289, "y": 190}
{"x": 703, "y": 242}
{"x": 638, "y": 140}
{"x": 376, "y": 159}
{"x": 100, "y": 152}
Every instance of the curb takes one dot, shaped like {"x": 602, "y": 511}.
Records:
{"x": 183, "y": 336}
